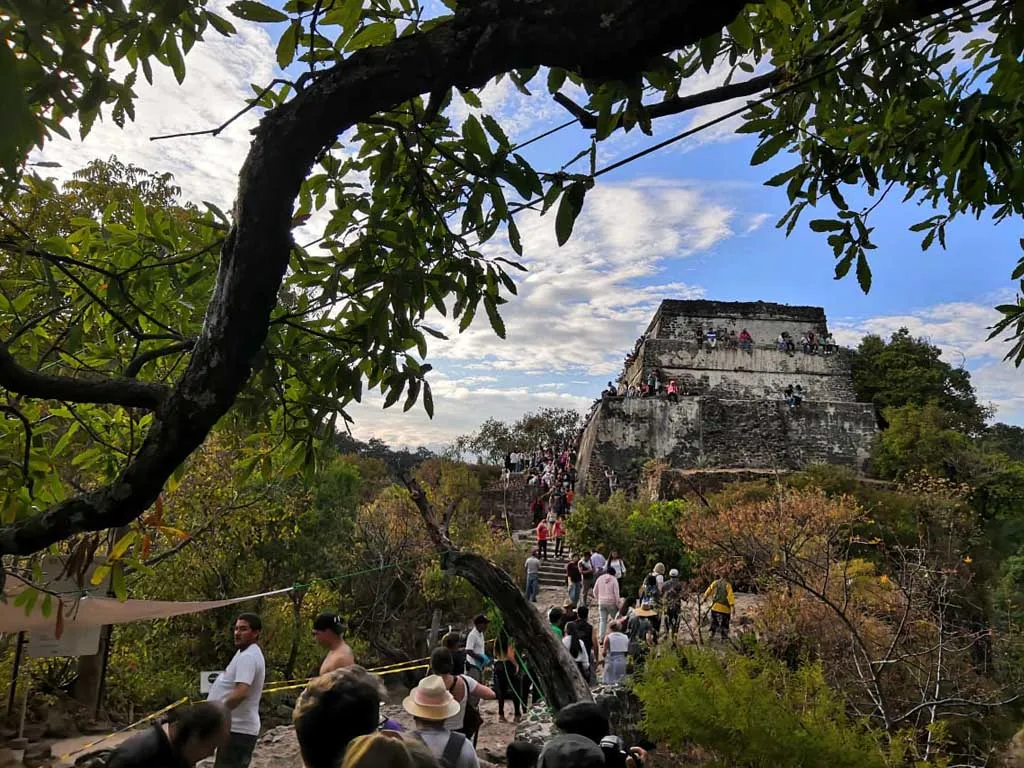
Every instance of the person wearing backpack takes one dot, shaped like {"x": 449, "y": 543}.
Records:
{"x": 430, "y": 704}
{"x": 722, "y": 602}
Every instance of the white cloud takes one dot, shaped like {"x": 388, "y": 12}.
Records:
{"x": 458, "y": 409}
{"x": 755, "y": 222}
{"x": 579, "y": 309}
{"x": 960, "y": 330}
{"x": 218, "y": 73}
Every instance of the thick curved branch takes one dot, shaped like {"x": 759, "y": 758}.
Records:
{"x": 604, "y": 40}
{"x": 109, "y": 391}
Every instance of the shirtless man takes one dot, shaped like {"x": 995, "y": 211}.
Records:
{"x": 328, "y": 629}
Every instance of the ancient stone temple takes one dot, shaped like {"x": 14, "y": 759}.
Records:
{"x": 731, "y": 412}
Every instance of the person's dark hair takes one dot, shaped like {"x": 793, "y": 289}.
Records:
{"x": 254, "y": 621}
{"x": 329, "y": 621}
{"x": 441, "y": 662}
{"x": 333, "y": 710}
{"x": 481, "y": 619}
{"x": 584, "y": 718}
{"x": 651, "y": 581}
{"x": 201, "y": 721}
{"x": 610, "y": 571}
{"x": 522, "y": 754}
{"x": 555, "y": 616}
{"x": 452, "y": 641}
{"x": 582, "y": 613}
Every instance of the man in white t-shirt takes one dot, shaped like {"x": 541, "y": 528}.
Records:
{"x": 476, "y": 657}
{"x": 240, "y": 687}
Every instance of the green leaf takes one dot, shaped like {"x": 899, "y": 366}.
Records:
{"x": 471, "y": 99}
{"x": 250, "y": 10}
{"x": 117, "y": 582}
{"x": 287, "y": 44}
{"x": 556, "y": 77}
{"x": 222, "y": 25}
{"x": 492, "y": 314}
{"x": 568, "y": 209}
{"x": 769, "y": 148}
{"x": 476, "y": 139}
{"x": 709, "y": 47}
{"x": 741, "y": 31}
{"x": 16, "y": 122}
{"x": 428, "y": 400}
{"x": 517, "y": 244}
{"x": 826, "y": 225}
{"x": 863, "y": 272}
{"x": 372, "y": 34}
{"x": 174, "y": 58}
{"x": 843, "y": 266}
{"x": 496, "y": 131}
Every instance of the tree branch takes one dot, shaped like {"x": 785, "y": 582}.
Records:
{"x": 603, "y": 41}
{"x": 679, "y": 104}
{"x": 110, "y": 391}
{"x": 133, "y": 368}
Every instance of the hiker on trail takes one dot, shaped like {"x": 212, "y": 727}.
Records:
{"x": 723, "y": 600}
{"x": 532, "y": 577}
{"x": 240, "y": 688}
{"x": 556, "y": 620}
{"x": 606, "y": 595}
{"x": 328, "y": 630}
{"x": 598, "y": 561}
{"x": 431, "y": 706}
{"x": 465, "y": 690}
{"x": 333, "y": 710}
{"x": 650, "y": 594}
{"x": 456, "y": 646}
{"x": 659, "y": 575}
{"x": 614, "y": 649}
{"x": 476, "y": 657}
{"x": 587, "y": 571}
{"x": 542, "y": 538}
{"x": 574, "y": 581}
{"x": 617, "y": 565}
{"x": 641, "y": 628}
{"x": 577, "y": 650}
{"x": 506, "y": 675}
{"x": 190, "y": 735}
{"x": 672, "y": 598}
{"x": 587, "y": 634}
{"x": 558, "y": 533}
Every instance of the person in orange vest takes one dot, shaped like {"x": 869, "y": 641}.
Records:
{"x": 542, "y": 539}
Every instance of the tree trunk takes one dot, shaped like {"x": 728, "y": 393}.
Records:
{"x": 296, "y": 596}
{"x": 435, "y": 630}
{"x": 550, "y": 664}
{"x": 89, "y": 675}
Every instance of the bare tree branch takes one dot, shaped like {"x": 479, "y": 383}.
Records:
{"x": 109, "y": 391}
{"x": 133, "y": 368}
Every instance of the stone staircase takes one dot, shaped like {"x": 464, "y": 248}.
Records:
{"x": 552, "y": 570}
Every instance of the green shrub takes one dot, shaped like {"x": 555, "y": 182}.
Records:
{"x": 753, "y": 711}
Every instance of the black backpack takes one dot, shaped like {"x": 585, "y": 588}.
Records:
{"x": 452, "y": 749}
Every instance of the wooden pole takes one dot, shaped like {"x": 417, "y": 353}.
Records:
{"x": 13, "y": 688}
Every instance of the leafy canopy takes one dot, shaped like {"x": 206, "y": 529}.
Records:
{"x": 873, "y": 96}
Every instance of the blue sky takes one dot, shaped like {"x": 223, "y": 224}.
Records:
{"x": 692, "y": 220}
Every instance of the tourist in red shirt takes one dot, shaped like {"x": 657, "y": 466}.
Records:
{"x": 558, "y": 532}
{"x": 542, "y": 539}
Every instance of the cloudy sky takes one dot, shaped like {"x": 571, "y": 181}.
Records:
{"x": 692, "y": 220}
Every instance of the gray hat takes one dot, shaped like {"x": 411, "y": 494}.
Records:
{"x": 571, "y": 751}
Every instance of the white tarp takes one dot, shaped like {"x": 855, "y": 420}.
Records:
{"x": 90, "y": 611}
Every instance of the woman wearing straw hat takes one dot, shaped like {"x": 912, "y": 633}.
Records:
{"x": 430, "y": 704}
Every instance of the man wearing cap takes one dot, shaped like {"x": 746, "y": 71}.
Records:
{"x": 570, "y": 750}
{"x": 328, "y": 629}
{"x": 476, "y": 657}
{"x": 430, "y": 705}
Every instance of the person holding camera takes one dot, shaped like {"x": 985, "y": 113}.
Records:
{"x": 585, "y": 723}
